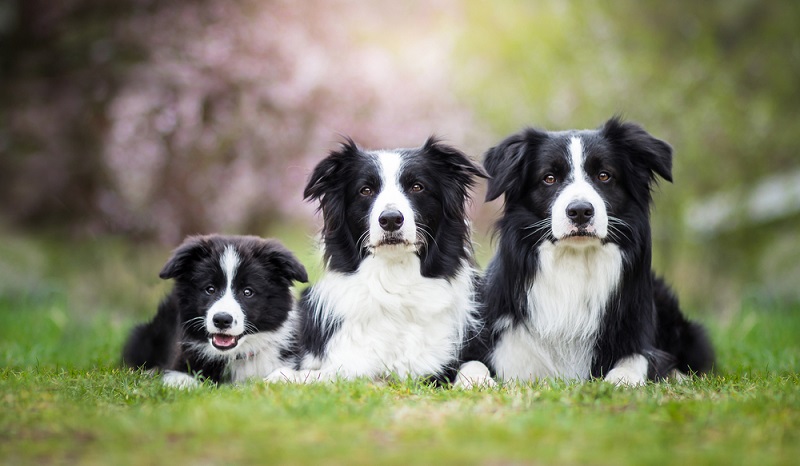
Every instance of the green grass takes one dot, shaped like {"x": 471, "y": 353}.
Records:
{"x": 63, "y": 398}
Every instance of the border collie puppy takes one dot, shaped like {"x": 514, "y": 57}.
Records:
{"x": 398, "y": 293}
{"x": 570, "y": 293}
{"x": 229, "y": 317}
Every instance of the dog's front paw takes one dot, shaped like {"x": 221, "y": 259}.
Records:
{"x": 677, "y": 376}
{"x": 282, "y": 375}
{"x": 624, "y": 378}
{"x": 629, "y": 372}
{"x": 179, "y": 380}
{"x": 288, "y": 375}
{"x": 474, "y": 374}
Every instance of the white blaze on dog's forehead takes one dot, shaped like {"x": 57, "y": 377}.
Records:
{"x": 229, "y": 260}
{"x": 578, "y": 188}
{"x": 390, "y": 164}
{"x": 576, "y": 158}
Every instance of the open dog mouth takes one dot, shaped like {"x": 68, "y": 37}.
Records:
{"x": 224, "y": 342}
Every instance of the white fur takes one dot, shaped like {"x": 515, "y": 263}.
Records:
{"x": 289, "y": 375}
{"x": 630, "y": 371}
{"x": 677, "y": 376}
{"x": 474, "y": 374}
{"x": 566, "y": 304}
{"x": 578, "y": 189}
{"x": 179, "y": 380}
{"x": 392, "y": 319}
{"x": 265, "y": 348}
{"x": 229, "y": 260}
{"x": 391, "y": 197}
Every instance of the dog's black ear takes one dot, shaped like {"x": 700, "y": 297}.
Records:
{"x": 273, "y": 254}
{"x": 291, "y": 264}
{"x": 466, "y": 172}
{"x": 647, "y": 151}
{"x": 277, "y": 256}
{"x": 506, "y": 162}
{"x": 190, "y": 251}
{"x": 324, "y": 175}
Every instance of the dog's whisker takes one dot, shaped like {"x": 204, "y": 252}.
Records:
{"x": 536, "y": 224}
{"x": 363, "y": 244}
{"x": 249, "y": 327}
{"x": 196, "y": 323}
{"x": 425, "y": 230}
{"x": 538, "y": 230}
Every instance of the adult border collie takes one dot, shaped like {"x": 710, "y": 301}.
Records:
{"x": 570, "y": 292}
{"x": 397, "y": 297}
{"x": 229, "y": 316}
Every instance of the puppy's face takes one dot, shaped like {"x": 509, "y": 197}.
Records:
{"x": 390, "y": 201}
{"x": 232, "y": 287}
{"x": 578, "y": 188}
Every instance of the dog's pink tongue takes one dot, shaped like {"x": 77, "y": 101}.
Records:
{"x": 224, "y": 341}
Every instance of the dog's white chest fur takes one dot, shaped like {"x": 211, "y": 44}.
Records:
{"x": 261, "y": 354}
{"x": 566, "y": 304}
{"x": 392, "y": 319}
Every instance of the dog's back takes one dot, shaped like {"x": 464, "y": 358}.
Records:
{"x": 153, "y": 344}
{"x": 686, "y": 341}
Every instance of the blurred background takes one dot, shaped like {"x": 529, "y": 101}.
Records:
{"x": 126, "y": 125}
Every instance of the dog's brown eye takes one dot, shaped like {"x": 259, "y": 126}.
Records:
{"x": 210, "y": 290}
{"x": 247, "y": 292}
{"x": 549, "y": 179}
{"x": 366, "y": 191}
{"x": 416, "y": 187}
{"x": 604, "y": 176}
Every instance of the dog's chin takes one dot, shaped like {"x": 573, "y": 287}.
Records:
{"x": 580, "y": 238}
{"x": 224, "y": 342}
{"x": 393, "y": 243}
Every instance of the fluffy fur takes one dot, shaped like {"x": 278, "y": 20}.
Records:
{"x": 229, "y": 317}
{"x": 570, "y": 292}
{"x": 398, "y": 294}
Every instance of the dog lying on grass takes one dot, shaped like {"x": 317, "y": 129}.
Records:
{"x": 229, "y": 317}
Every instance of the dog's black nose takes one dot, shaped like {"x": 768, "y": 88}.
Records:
{"x": 580, "y": 212}
{"x": 390, "y": 220}
{"x": 222, "y": 320}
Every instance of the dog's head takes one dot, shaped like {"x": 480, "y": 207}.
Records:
{"x": 578, "y": 187}
{"x": 391, "y": 202}
{"x": 230, "y": 287}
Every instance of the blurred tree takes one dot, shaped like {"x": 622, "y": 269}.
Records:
{"x": 165, "y": 117}
{"x": 57, "y": 80}
{"x": 171, "y": 117}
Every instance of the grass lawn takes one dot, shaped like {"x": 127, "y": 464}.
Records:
{"x": 64, "y": 312}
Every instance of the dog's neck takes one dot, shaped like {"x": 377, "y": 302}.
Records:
{"x": 571, "y": 289}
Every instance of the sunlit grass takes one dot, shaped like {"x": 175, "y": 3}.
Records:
{"x": 63, "y": 398}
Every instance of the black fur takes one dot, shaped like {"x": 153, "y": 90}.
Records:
{"x": 173, "y": 340}
{"x": 643, "y": 317}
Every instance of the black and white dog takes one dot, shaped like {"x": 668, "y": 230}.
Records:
{"x": 570, "y": 292}
{"x": 398, "y": 294}
{"x": 229, "y": 317}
